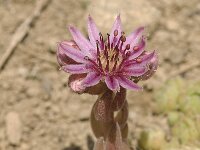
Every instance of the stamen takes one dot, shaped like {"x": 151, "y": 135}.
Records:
{"x": 95, "y": 64}
{"x": 120, "y": 65}
{"x": 114, "y": 67}
{"x": 138, "y": 60}
{"x": 98, "y": 52}
{"x": 86, "y": 58}
{"x": 123, "y": 39}
{"x": 101, "y": 40}
{"x": 135, "y": 48}
{"x": 128, "y": 54}
{"x": 115, "y": 33}
{"x": 113, "y": 57}
{"x": 107, "y": 66}
{"x": 108, "y": 40}
{"x": 127, "y": 46}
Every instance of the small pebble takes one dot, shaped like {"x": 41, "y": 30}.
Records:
{"x": 13, "y": 128}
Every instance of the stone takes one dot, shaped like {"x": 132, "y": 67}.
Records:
{"x": 152, "y": 139}
{"x": 13, "y": 128}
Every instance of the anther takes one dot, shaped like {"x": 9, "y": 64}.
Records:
{"x": 127, "y": 46}
{"x": 123, "y": 39}
{"x": 108, "y": 40}
{"x": 135, "y": 48}
{"x": 115, "y": 32}
{"x": 138, "y": 60}
{"x": 128, "y": 54}
{"x": 86, "y": 58}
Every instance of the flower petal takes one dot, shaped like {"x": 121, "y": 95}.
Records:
{"x": 91, "y": 79}
{"x": 80, "y": 40}
{"x": 116, "y": 26}
{"x": 112, "y": 83}
{"x": 75, "y": 83}
{"x": 147, "y": 58}
{"x": 152, "y": 67}
{"x": 93, "y": 31}
{"x": 138, "y": 52}
{"x": 134, "y": 37}
{"x": 62, "y": 58}
{"x": 135, "y": 71}
{"x": 128, "y": 84}
{"x": 73, "y": 53}
{"x": 76, "y": 68}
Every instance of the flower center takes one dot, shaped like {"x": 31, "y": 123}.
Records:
{"x": 111, "y": 53}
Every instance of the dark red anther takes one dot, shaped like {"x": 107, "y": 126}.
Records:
{"x": 106, "y": 52}
{"x": 128, "y": 54}
{"x": 122, "y": 32}
{"x": 112, "y": 46}
{"x": 135, "y": 48}
{"x": 108, "y": 40}
{"x": 115, "y": 32}
{"x": 127, "y": 46}
{"x": 123, "y": 38}
{"x": 116, "y": 46}
{"x": 138, "y": 60}
{"x": 86, "y": 58}
{"x": 113, "y": 57}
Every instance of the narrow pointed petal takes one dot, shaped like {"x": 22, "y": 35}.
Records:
{"x": 140, "y": 50}
{"x": 75, "y": 83}
{"x": 76, "y": 69}
{"x": 128, "y": 84}
{"x": 135, "y": 71}
{"x": 148, "y": 57}
{"x": 145, "y": 60}
{"x": 80, "y": 40}
{"x": 91, "y": 79}
{"x": 116, "y": 26}
{"x": 73, "y": 53}
{"x": 62, "y": 58}
{"x": 152, "y": 67}
{"x": 134, "y": 37}
{"x": 112, "y": 83}
{"x": 93, "y": 31}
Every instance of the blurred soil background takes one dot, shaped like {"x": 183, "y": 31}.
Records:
{"x": 37, "y": 109}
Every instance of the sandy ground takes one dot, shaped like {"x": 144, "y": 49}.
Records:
{"x": 47, "y": 114}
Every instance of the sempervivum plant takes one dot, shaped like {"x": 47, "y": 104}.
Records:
{"x": 107, "y": 67}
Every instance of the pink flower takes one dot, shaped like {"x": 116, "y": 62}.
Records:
{"x": 117, "y": 60}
